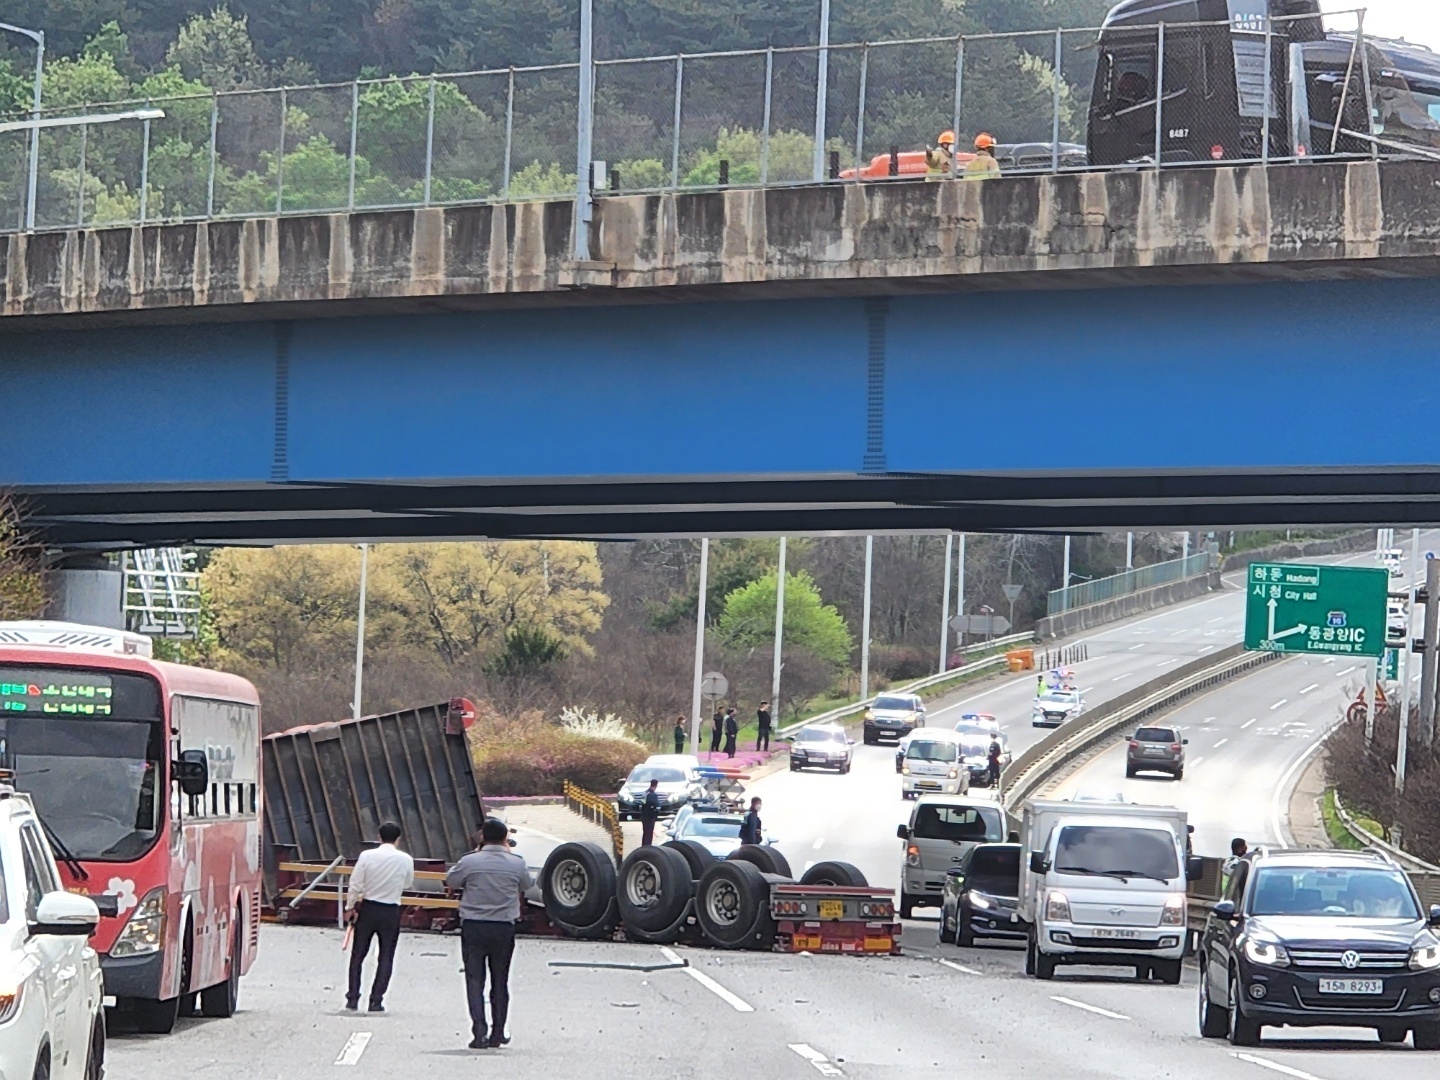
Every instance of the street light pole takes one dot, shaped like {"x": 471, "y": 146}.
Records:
{"x": 360, "y": 633}
{"x": 32, "y": 181}
{"x": 699, "y": 646}
{"x": 584, "y": 134}
{"x": 1129, "y": 551}
{"x": 945, "y": 603}
{"x": 1065, "y": 585}
{"x": 865, "y": 623}
{"x": 779, "y": 631}
{"x": 822, "y": 90}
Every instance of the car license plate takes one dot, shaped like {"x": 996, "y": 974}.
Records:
{"x": 1113, "y": 932}
{"x": 1154, "y": 751}
{"x": 1352, "y": 986}
{"x": 832, "y": 909}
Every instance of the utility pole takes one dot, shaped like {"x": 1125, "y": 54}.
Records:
{"x": 779, "y": 632}
{"x": 1428, "y": 658}
{"x": 945, "y": 605}
{"x": 1065, "y": 585}
{"x": 360, "y": 634}
{"x": 960, "y": 591}
{"x": 1404, "y": 672}
{"x": 822, "y": 90}
{"x": 865, "y": 623}
{"x": 699, "y": 646}
{"x": 1129, "y": 551}
{"x": 584, "y": 134}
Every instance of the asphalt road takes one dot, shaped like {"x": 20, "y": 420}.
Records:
{"x": 938, "y": 1011}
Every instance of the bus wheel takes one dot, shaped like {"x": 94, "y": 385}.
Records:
{"x": 220, "y": 1000}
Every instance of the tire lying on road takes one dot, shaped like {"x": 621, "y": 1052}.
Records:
{"x": 694, "y": 853}
{"x": 842, "y": 874}
{"x": 765, "y": 858}
{"x": 732, "y": 906}
{"x": 578, "y": 884}
{"x": 653, "y": 894}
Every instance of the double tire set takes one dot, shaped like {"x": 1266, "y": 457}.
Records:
{"x": 658, "y": 889}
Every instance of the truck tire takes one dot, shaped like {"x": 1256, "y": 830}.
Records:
{"x": 765, "y": 858}
{"x": 653, "y": 890}
{"x": 907, "y": 905}
{"x": 1044, "y": 965}
{"x": 695, "y": 854}
{"x": 221, "y": 1000}
{"x": 833, "y": 872}
{"x": 732, "y": 906}
{"x": 1168, "y": 971}
{"x": 578, "y": 884}
{"x": 599, "y": 930}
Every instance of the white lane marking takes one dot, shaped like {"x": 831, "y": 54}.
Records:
{"x": 1089, "y": 1008}
{"x": 1218, "y": 618}
{"x": 1166, "y": 663}
{"x": 354, "y": 1047}
{"x": 1221, "y": 743}
{"x": 1347, "y": 671}
{"x": 1312, "y": 686}
{"x": 961, "y": 967}
{"x": 1274, "y": 1066}
{"x": 1206, "y": 648}
{"x": 710, "y": 984}
{"x": 1117, "y": 678}
{"x": 1328, "y": 661}
{"x": 819, "y": 844}
{"x": 1247, "y": 723}
{"x": 1087, "y": 689}
{"x": 1132, "y": 648}
{"x": 819, "y": 1060}
{"x": 1277, "y": 704}
{"x": 1195, "y": 761}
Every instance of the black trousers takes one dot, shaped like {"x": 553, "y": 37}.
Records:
{"x": 762, "y": 741}
{"x": 647, "y": 830}
{"x": 679, "y": 744}
{"x": 729, "y": 745}
{"x": 372, "y": 921}
{"x": 487, "y": 945}
{"x": 714, "y": 740}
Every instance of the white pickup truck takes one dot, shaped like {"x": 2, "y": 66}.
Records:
{"x": 1104, "y": 883}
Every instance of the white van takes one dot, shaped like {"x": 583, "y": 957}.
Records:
{"x": 934, "y": 763}
{"x": 940, "y": 831}
{"x": 1104, "y": 883}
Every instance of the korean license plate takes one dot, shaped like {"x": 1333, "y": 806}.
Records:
{"x": 1114, "y": 932}
{"x": 832, "y": 909}
{"x": 1352, "y": 986}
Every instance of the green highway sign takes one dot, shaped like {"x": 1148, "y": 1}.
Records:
{"x": 1390, "y": 666}
{"x": 1315, "y": 609}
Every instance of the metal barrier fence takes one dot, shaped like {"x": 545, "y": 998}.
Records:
{"x": 594, "y": 808}
{"x": 1131, "y": 581}
{"x": 1052, "y": 99}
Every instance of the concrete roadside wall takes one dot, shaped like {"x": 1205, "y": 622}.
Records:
{"x": 1287, "y": 552}
{"x": 1122, "y": 607}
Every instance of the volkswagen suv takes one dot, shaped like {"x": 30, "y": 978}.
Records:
{"x": 1320, "y": 938}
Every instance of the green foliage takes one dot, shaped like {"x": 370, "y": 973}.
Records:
{"x": 527, "y": 651}
{"x": 538, "y": 179}
{"x": 749, "y": 617}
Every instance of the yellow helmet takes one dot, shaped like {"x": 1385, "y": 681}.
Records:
{"x": 984, "y": 141}
{"x": 947, "y": 138}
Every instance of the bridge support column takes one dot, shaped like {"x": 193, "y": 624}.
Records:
{"x": 87, "y": 589}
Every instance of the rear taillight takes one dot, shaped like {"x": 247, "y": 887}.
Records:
{"x": 1134, "y": 745}
{"x": 791, "y": 907}
{"x": 1174, "y": 747}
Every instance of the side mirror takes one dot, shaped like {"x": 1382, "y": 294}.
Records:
{"x": 1012, "y": 837}
{"x": 1038, "y": 865}
{"x": 192, "y": 772}
{"x": 955, "y": 872}
{"x": 1194, "y": 868}
{"x": 1225, "y": 910}
{"x": 1184, "y": 742}
{"x": 1434, "y": 915}
{"x": 65, "y": 914}
{"x": 902, "y": 832}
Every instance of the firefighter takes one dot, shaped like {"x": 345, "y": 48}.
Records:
{"x": 983, "y": 165}
{"x": 940, "y": 159}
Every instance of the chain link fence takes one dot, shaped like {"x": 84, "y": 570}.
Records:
{"x": 1253, "y": 90}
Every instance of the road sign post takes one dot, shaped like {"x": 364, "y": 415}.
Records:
{"x": 989, "y": 625}
{"x": 1012, "y": 593}
{"x": 1335, "y": 610}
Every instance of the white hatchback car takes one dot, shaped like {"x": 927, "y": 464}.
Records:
{"x": 52, "y": 998}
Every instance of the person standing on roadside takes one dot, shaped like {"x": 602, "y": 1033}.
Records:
{"x": 751, "y": 831}
{"x": 372, "y": 908}
{"x": 762, "y": 720}
{"x": 491, "y": 882}
{"x": 679, "y": 734}
{"x": 732, "y": 731}
{"x": 717, "y": 728}
{"x": 649, "y": 814}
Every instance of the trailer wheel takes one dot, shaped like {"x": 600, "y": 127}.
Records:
{"x": 733, "y": 906}
{"x": 764, "y": 857}
{"x": 842, "y": 874}
{"x": 600, "y": 929}
{"x": 654, "y": 889}
{"x": 695, "y": 854}
{"x": 578, "y": 884}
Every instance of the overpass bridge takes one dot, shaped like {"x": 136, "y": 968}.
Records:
{"x": 1245, "y": 345}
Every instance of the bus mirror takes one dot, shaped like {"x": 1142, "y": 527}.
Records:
{"x": 192, "y": 772}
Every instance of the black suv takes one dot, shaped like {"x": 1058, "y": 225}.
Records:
{"x": 1311, "y": 938}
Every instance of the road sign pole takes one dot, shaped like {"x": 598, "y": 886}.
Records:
{"x": 779, "y": 632}
{"x": 1428, "y": 658}
{"x": 960, "y": 590}
{"x": 1129, "y": 552}
{"x": 699, "y": 645}
{"x": 865, "y": 620}
{"x": 1372, "y": 678}
{"x": 945, "y": 605}
{"x": 1403, "y": 737}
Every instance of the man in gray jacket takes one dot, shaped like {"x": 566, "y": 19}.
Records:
{"x": 491, "y": 882}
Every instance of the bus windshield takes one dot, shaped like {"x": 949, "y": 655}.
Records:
{"x": 82, "y": 745}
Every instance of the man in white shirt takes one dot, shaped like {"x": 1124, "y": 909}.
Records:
{"x": 372, "y": 907}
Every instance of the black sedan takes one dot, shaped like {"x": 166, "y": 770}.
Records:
{"x": 981, "y": 896}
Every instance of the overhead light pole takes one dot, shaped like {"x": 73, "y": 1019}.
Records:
{"x": 822, "y": 90}
{"x": 360, "y": 634}
{"x": 32, "y": 181}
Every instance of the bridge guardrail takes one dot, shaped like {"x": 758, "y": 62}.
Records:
{"x": 839, "y": 713}
{"x": 594, "y": 808}
{"x": 1370, "y": 840}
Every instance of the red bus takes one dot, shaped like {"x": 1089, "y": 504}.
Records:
{"x": 147, "y": 778}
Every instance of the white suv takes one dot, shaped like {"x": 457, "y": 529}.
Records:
{"x": 52, "y": 999}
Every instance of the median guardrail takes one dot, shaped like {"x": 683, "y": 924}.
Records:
{"x": 834, "y": 715}
{"x": 1370, "y": 840}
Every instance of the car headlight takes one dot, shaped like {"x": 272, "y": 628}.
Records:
{"x": 1425, "y": 958}
{"x": 954, "y": 774}
{"x": 980, "y": 900}
{"x": 1269, "y": 953}
{"x": 905, "y": 770}
{"x": 1174, "y": 913}
{"x": 145, "y": 932}
{"x": 10, "y": 997}
{"x": 1057, "y": 907}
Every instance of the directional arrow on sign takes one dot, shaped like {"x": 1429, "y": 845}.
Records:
{"x": 1273, "y": 636}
